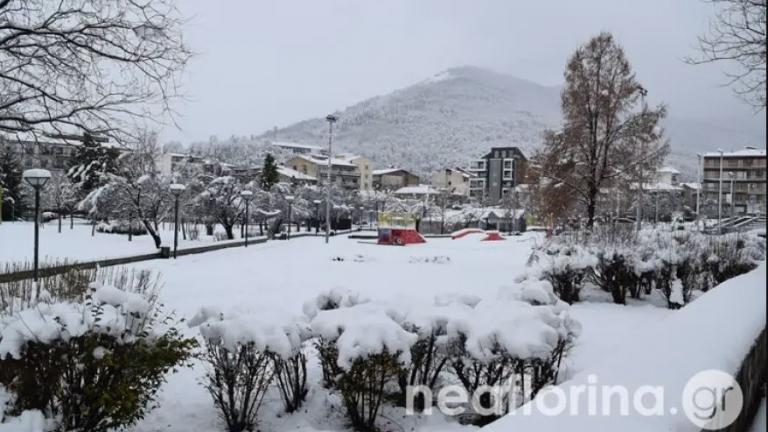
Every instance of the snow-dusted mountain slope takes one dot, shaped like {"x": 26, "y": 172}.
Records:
{"x": 458, "y": 114}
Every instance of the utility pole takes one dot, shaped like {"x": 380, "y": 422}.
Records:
{"x": 698, "y": 188}
{"x": 720, "y": 195}
{"x": 331, "y": 120}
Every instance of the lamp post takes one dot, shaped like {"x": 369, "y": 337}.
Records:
{"x": 331, "y": 120}
{"x": 731, "y": 175}
{"x": 246, "y": 195}
{"x": 177, "y": 189}
{"x": 289, "y": 199}
{"x": 317, "y": 215}
{"x": 698, "y": 188}
{"x": 360, "y": 222}
{"x": 720, "y": 195}
{"x": 37, "y": 178}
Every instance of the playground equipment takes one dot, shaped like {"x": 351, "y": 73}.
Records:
{"x": 398, "y": 229}
{"x": 488, "y": 235}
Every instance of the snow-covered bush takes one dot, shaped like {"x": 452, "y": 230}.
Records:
{"x": 245, "y": 352}
{"x": 516, "y": 341}
{"x": 326, "y": 348}
{"x": 94, "y": 364}
{"x": 369, "y": 351}
{"x": 565, "y": 266}
{"x": 121, "y": 227}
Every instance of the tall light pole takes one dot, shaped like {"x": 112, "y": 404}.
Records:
{"x": 720, "y": 195}
{"x": 331, "y": 120}
{"x": 698, "y": 188}
{"x": 733, "y": 200}
{"x": 289, "y": 199}
{"x": 317, "y": 215}
{"x": 177, "y": 189}
{"x": 246, "y": 195}
{"x": 37, "y": 178}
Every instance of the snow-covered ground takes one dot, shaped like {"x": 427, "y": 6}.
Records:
{"x": 77, "y": 244}
{"x": 281, "y": 276}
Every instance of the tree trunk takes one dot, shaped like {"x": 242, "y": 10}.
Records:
{"x": 59, "y": 223}
{"x": 209, "y": 229}
{"x": 591, "y": 206}
{"x": 152, "y": 232}
{"x": 72, "y": 220}
{"x": 228, "y": 229}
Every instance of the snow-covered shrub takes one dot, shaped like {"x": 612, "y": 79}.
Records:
{"x": 121, "y": 227}
{"x": 510, "y": 343}
{"x": 92, "y": 365}
{"x": 429, "y": 355}
{"x": 565, "y": 266}
{"x": 328, "y": 300}
{"x": 244, "y": 353}
{"x": 369, "y": 351}
{"x": 615, "y": 272}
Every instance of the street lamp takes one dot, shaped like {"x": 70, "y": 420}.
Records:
{"x": 720, "y": 195}
{"x": 177, "y": 189}
{"x": 360, "y": 222}
{"x": 733, "y": 201}
{"x": 698, "y": 189}
{"x": 331, "y": 120}
{"x": 317, "y": 215}
{"x": 289, "y": 199}
{"x": 246, "y": 195}
{"x": 37, "y": 178}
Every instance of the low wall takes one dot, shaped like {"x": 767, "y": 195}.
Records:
{"x": 751, "y": 377}
{"x": 107, "y": 262}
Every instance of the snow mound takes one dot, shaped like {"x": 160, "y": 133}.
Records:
{"x": 510, "y": 328}
{"x": 333, "y": 299}
{"x": 363, "y": 330}
{"x": 269, "y": 330}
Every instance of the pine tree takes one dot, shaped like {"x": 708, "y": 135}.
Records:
{"x": 269, "y": 174}
{"x": 13, "y": 197}
{"x": 90, "y": 161}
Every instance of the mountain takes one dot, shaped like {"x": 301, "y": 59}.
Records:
{"x": 457, "y": 115}
{"x": 444, "y": 121}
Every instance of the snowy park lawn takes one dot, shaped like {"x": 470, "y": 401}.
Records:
{"x": 281, "y": 276}
{"x": 77, "y": 244}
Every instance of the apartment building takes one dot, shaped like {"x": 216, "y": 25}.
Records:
{"x": 455, "y": 180}
{"x": 744, "y": 173}
{"x": 169, "y": 163}
{"x": 496, "y": 174}
{"x": 394, "y": 178}
{"x": 53, "y": 152}
{"x": 350, "y": 172}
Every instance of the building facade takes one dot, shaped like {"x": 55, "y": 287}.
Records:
{"x": 743, "y": 181}
{"x": 455, "y": 180}
{"x": 53, "y": 153}
{"x": 347, "y": 171}
{"x": 496, "y": 174}
{"x": 297, "y": 148}
{"x": 393, "y": 179}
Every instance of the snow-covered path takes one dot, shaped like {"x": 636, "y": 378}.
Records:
{"x": 283, "y": 275}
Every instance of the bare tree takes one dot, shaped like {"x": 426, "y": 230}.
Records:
{"x": 602, "y": 127}
{"x": 90, "y": 66}
{"x": 737, "y": 34}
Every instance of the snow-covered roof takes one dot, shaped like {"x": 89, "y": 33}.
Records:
{"x": 322, "y": 160}
{"x": 292, "y": 173}
{"x": 692, "y": 185}
{"x": 386, "y": 171}
{"x": 286, "y": 144}
{"x": 668, "y": 169}
{"x": 417, "y": 190}
{"x": 656, "y": 187}
{"x": 746, "y": 152}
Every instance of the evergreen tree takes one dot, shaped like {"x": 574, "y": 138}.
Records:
{"x": 90, "y": 161}
{"x": 269, "y": 174}
{"x": 12, "y": 196}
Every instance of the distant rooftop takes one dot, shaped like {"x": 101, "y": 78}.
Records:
{"x": 287, "y": 144}
{"x": 668, "y": 169}
{"x": 322, "y": 160}
{"x": 417, "y": 190}
{"x": 292, "y": 173}
{"x": 745, "y": 152}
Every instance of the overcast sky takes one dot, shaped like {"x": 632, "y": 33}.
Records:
{"x": 263, "y": 63}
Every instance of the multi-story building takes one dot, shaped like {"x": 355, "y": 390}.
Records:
{"x": 496, "y": 174}
{"x": 455, "y": 180}
{"x": 348, "y": 171}
{"x": 289, "y": 175}
{"x": 169, "y": 163}
{"x": 743, "y": 172}
{"x": 53, "y": 153}
{"x": 394, "y": 178}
